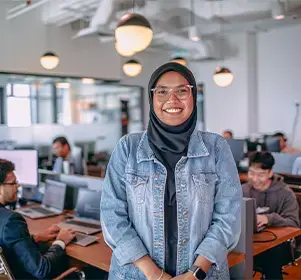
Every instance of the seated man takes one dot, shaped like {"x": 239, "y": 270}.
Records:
{"x": 66, "y": 161}
{"x": 270, "y": 191}
{"x": 228, "y": 134}
{"x": 284, "y": 147}
{"x": 20, "y": 249}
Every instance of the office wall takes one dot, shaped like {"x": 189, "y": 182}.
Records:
{"x": 226, "y": 108}
{"x": 25, "y": 38}
{"x": 279, "y": 68}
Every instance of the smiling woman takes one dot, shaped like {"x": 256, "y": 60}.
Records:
{"x": 171, "y": 198}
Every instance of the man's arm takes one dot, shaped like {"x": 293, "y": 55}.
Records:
{"x": 289, "y": 215}
{"x": 16, "y": 237}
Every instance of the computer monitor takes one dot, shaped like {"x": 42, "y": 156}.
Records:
{"x": 88, "y": 204}
{"x": 26, "y": 165}
{"x": 54, "y": 196}
{"x": 74, "y": 183}
{"x": 237, "y": 149}
{"x": 272, "y": 144}
{"x": 284, "y": 162}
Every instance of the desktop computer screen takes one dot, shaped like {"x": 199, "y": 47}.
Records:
{"x": 26, "y": 165}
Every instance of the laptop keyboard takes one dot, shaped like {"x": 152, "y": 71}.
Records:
{"x": 42, "y": 210}
{"x": 83, "y": 224}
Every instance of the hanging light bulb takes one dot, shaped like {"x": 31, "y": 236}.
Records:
{"x": 223, "y": 77}
{"x": 132, "y": 68}
{"x": 124, "y": 49}
{"x": 180, "y": 60}
{"x": 134, "y": 31}
{"x": 278, "y": 11}
{"x": 193, "y": 34}
{"x": 49, "y": 60}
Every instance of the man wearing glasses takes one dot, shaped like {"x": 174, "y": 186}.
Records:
{"x": 19, "y": 247}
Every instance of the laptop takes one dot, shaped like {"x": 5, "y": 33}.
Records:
{"x": 87, "y": 213}
{"x": 52, "y": 203}
{"x": 84, "y": 239}
{"x": 256, "y": 229}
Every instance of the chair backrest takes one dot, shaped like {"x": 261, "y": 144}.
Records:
{"x": 5, "y": 272}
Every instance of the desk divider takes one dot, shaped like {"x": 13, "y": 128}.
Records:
{"x": 244, "y": 270}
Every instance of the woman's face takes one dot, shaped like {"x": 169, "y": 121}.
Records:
{"x": 173, "y": 110}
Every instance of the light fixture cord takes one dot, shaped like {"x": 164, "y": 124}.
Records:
{"x": 133, "y": 5}
{"x": 192, "y": 20}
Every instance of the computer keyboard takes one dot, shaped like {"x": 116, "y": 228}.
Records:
{"x": 42, "y": 210}
{"x": 83, "y": 224}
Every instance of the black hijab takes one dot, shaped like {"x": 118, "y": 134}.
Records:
{"x": 170, "y": 143}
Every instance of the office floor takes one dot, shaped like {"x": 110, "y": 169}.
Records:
{"x": 294, "y": 272}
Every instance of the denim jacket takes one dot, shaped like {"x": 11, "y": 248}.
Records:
{"x": 209, "y": 199}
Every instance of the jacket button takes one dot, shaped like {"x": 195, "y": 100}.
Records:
{"x": 185, "y": 241}
{"x": 185, "y": 213}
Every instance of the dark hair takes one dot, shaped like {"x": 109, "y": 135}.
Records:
{"x": 62, "y": 140}
{"x": 280, "y": 134}
{"x": 5, "y": 168}
{"x": 229, "y": 132}
{"x": 263, "y": 160}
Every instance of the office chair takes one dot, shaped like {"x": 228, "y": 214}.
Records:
{"x": 290, "y": 260}
{"x": 6, "y": 273}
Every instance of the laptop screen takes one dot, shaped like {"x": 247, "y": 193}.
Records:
{"x": 88, "y": 204}
{"x": 54, "y": 194}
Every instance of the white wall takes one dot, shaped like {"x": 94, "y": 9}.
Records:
{"x": 226, "y": 108}
{"x": 279, "y": 68}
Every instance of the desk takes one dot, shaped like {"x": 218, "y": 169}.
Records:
{"x": 283, "y": 234}
{"x": 97, "y": 254}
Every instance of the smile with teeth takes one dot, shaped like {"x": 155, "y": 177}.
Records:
{"x": 173, "y": 110}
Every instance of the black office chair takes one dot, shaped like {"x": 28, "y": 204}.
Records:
{"x": 6, "y": 273}
{"x": 289, "y": 261}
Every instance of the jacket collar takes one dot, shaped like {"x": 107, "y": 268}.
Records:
{"x": 196, "y": 147}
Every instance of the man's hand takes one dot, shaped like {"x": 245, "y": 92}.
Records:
{"x": 66, "y": 235}
{"x": 47, "y": 235}
{"x": 186, "y": 276}
{"x": 262, "y": 220}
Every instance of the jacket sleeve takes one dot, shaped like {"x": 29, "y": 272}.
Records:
{"x": 117, "y": 228}
{"x": 224, "y": 231}
{"x": 16, "y": 237}
{"x": 289, "y": 214}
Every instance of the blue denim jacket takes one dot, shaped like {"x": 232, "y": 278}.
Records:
{"x": 209, "y": 199}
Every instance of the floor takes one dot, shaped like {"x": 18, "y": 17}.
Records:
{"x": 294, "y": 272}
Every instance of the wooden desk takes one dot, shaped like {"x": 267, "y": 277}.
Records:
{"x": 283, "y": 234}
{"x": 97, "y": 254}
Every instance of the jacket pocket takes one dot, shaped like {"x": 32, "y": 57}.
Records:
{"x": 137, "y": 185}
{"x": 204, "y": 185}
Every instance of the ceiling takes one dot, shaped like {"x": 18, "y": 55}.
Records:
{"x": 170, "y": 20}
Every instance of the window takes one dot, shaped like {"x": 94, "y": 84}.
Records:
{"x": 18, "y": 105}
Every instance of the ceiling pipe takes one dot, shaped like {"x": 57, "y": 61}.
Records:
{"x": 12, "y": 15}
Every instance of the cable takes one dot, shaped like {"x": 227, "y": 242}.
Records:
{"x": 295, "y": 123}
{"x": 269, "y": 240}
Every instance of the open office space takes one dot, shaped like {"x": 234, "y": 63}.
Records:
{"x": 150, "y": 139}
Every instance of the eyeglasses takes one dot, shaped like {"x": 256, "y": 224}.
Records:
{"x": 163, "y": 93}
{"x": 11, "y": 184}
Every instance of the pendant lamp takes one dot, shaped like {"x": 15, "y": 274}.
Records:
{"x": 223, "y": 77}
{"x": 134, "y": 32}
{"x": 49, "y": 60}
{"x": 124, "y": 49}
{"x": 132, "y": 68}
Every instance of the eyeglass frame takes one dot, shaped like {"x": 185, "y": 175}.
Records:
{"x": 171, "y": 89}
{"x": 10, "y": 184}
